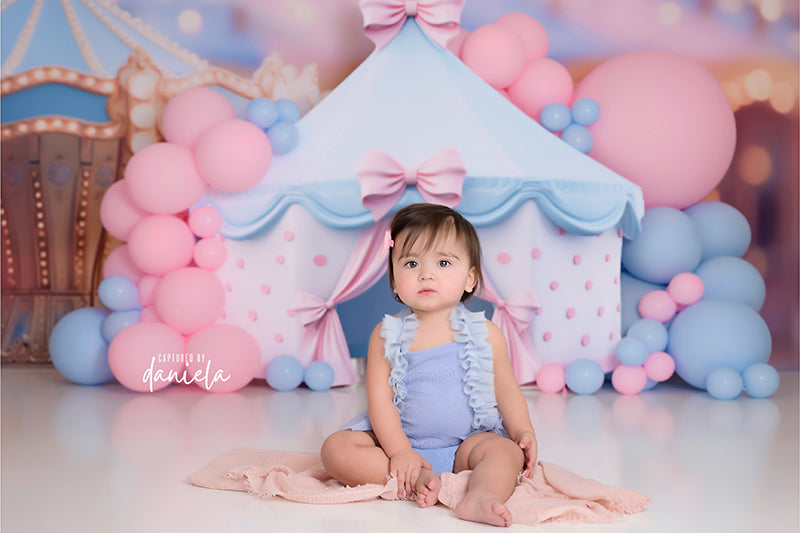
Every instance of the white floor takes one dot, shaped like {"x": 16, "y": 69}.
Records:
{"x": 105, "y": 459}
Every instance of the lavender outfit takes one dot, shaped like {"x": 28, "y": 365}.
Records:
{"x": 443, "y": 394}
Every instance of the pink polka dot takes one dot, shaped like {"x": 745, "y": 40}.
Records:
{"x": 288, "y": 236}
{"x": 538, "y": 311}
{"x": 252, "y": 315}
{"x": 562, "y": 231}
{"x": 320, "y": 260}
{"x": 611, "y": 336}
{"x": 616, "y": 280}
{"x": 601, "y": 311}
{"x": 240, "y": 263}
{"x": 278, "y": 337}
{"x": 547, "y": 336}
{"x": 571, "y": 313}
{"x": 599, "y": 234}
{"x": 265, "y": 289}
{"x": 503, "y": 258}
{"x": 228, "y": 287}
{"x": 618, "y": 308}
{"x": 280, "y": 259}
{"x": 608, "y": 258}
{"x": 290, "y": 312}
{"x": 586, "y": 339}
{"x": 619, "y": 232}
{"x": 589, "y": 285}
{"x": 553, "y": 285}
{"x": 576, "y": 260}
{"x": 536, "y": 253}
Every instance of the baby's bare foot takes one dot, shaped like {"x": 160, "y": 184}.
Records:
{"x": 487, "y": 510}
{"x": 428, "y": 485}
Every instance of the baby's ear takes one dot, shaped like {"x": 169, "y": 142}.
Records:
{"x": 472, "y": 280}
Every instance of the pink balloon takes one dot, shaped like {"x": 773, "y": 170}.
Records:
{"x": 160, "y": 244}
{"x": 119, "y": 262}
{"x": 233, "y": 155}
{"x": 628, "y": 380}
{"x": 659, "y": 366}
{"x": 495, "y": 53}
{"x": 666, "y": 124}
{"x": 191, "y": 112}
{"x": 456, "y": 44}
{"x": 542, "y": 82}
{"x": 205, "y": 221}
{"x": 118, "y": 212}
{"x": 657, "y": 305}
{"x": 533, "y": 35}
{"x": 162, "y": 178}
{"x": 550, "y": 379}
{"x": 140, "y": 356}
{"x": 147, "y": 289}
{"x": 149, "y": 314}
{"x": 229, "y": 358}
{"x": 189, "y": 299}
{"x": 685, "y": 288}
{"x": 210, "y": 253}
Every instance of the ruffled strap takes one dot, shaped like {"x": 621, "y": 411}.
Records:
{"x": 398, "y": 332}
{"x": 478, "y": 363}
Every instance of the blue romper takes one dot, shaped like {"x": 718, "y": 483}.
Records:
{"x": 443, "y": 394}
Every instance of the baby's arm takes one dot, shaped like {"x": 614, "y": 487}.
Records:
{"x": 510, "y": 402}
{"x": 404, "y": 462}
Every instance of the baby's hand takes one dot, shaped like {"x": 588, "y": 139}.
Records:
{"x": 527, "y": 441}
{"x": 405, "y": 466}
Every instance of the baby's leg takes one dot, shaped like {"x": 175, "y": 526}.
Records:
{"x": 496, "y": 463}
{"x": 428, "y": 485}
{"x": 355, "y": 458}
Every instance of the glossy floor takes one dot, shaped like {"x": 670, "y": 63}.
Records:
{"x": 105, "y": 459}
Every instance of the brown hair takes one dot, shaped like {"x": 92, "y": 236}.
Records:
{"x": 419, "y": 219}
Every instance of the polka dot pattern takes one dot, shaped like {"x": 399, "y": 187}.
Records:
{"x": 547, "y": 336}
{"x": 536, "y": 253}
{"x": 576, "y": 260}
{"x": 265, "y": 288}
{"x": 240, "y": 263}
{"x": 586, "y": 339}
{"x": 554, "y": 285}
{"x": 278, "y": 337}
{"x": 280, "y": 259}
{"x": 288, "y": 236}
{"x": 252, "y": 315}
{"x": 589, "y": 285}
{"x": 571, "y": 313}
{"x": 320, "y": 260}
{"x": 503, "y": 258}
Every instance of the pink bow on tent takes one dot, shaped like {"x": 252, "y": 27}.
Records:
{"x": 383, "y": 19}
{"x": 382, "y": 179}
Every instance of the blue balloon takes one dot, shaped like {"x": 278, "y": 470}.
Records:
{"x": 287, "y": 111}
{"x": 262, "y": 112}
{"x": 652, "y": 332}
{"x": 760, "y": 380}
{"x": 632, "y": 351}
{"x": 631, "y": 291}
{"x": 585, "y": 111}
{"x": 284, "y": 137}
{"x": 319, "y": 376}
{"x": 651, "y": 384}
{"x": 731, "y": 278}
{"x": 724, "y": 384}
{"x": 668, "y": 244}
{"x": 723, "y": 229}
{"x": 584, "y": 376}
{"x": 715, "y": 334}
{"x": 555, "y": 116}
{"x": 284, "y": 373}
{"x": 117, "y": 321}
{"x": 119, "y": 293}
{"x": 78, "y": 349}
{"x": 578, "y": 137}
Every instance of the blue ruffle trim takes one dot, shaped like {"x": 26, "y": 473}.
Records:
{"x": 478, "y": 363}
{"x": 476, "y": 359}
{"x": 398, "y": 332}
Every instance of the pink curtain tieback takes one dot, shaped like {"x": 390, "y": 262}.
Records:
{"x": 519, "y": 308}
{"x": 383, "y": 19}
{"x": 383, "y": 179}
{"x": 311, "y": 309}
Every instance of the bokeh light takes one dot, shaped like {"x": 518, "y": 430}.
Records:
{"x": 755, "y": 164}
{"x": 190, "y": 21}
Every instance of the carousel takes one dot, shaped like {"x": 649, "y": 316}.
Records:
{"x": 83, "y": 85}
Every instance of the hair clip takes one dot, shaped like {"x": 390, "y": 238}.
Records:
{"x": 387, "y": 242}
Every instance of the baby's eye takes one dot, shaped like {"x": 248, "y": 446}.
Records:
{"x": 444, "y": 263}
{"x": 411, "y": 264}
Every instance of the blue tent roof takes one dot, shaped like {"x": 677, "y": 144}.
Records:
{"x": 411, "y": 99}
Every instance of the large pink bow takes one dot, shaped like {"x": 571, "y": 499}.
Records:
{"x": 383, "y": 19}
{"x": 439, "y": 180}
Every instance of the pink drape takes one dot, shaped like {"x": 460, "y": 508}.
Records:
{"x": 323, "y": 336}
{"x": 513, "y": 316}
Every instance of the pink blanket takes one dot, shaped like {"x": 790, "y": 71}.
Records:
{"x": 553, "y": 495}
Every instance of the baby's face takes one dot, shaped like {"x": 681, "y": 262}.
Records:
{"x": 432, "y": 279}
